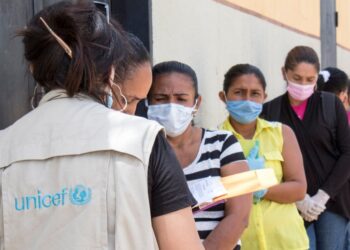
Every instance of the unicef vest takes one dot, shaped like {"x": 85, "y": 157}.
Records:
{"x": 74, "y": 176}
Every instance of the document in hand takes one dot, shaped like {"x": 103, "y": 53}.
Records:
{"x": 213, "y": 190}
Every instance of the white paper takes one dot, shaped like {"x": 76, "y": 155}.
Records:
{"x": 205, "y": 190}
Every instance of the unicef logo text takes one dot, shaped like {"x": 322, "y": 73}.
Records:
{"x": 79, "y": 195}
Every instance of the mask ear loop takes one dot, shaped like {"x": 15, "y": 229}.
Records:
{"x": 124, "y": 98}
{"x": 195, "y": 110}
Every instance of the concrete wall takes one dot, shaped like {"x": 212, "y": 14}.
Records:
{"x": 343, "y": 59}
{"x": 211, "y": 37}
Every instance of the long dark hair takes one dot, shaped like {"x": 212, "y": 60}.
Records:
{"x": 96, "y": 46}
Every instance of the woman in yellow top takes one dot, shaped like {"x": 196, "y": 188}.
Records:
{"x": 274, "y": 220}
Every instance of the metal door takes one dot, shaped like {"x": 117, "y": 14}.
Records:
{"x": 16, "y": 83}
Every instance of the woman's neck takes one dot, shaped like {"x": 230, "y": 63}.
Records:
{"x": 245, "y": 130}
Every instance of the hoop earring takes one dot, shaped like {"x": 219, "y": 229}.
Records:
{"x": 124, "y": 98}
{"x": 32, "y": 105}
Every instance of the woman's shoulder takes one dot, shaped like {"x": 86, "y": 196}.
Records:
{"x": 263, "y": 123}
{"x": 221, "y": 139}
{"x": 218, "y": 134}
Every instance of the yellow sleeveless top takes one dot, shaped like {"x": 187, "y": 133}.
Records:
{"x": 272, "y": 225}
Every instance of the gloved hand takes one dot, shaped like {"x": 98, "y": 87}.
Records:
{"x": 304, "y": 208}
{"x": 255, "y": 162}
{"x": 319, "y": 202}
{"x": 258, "y": 195}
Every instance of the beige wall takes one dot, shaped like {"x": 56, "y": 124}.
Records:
{"x": 343, "y": 30}
{"x": 298, "y": 14}
{"x": 211, "y": 37}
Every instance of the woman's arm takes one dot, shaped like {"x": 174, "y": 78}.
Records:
{"x": 293, "y": 187}
{"x": 172, "y": 217}
{"x": 237, "y": 209}
{"x": 176, "y": 230}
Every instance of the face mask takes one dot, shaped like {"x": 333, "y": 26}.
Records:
{"x": 174, "y": 117}
{"x": 109, "y": 101}
{"x": 244, "y": 111}
{"x": 300, "y": 92}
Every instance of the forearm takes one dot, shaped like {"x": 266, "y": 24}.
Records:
{"x": 229, "y": 230}
{"x": 286, "y": 192}
{"x": 176, "y": 230}
{"x": 226, "y": 234}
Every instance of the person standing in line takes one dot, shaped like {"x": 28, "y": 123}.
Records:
{"x": 173, "y": 101}
{"x": 320, "y": 123}
{"x": 274, "y": 220}
{"x": 335, "y": 81}
{"x": 76, "y": 174}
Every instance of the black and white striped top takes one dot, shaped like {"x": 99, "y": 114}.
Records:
{"x": 217, "y": 149}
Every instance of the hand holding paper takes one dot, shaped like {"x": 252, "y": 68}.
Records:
{"x": 233, "y": 185}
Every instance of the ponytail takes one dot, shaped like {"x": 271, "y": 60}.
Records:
{"x": 96, "y": 46}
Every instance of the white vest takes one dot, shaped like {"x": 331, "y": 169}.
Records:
{"x": 74, "y": 176}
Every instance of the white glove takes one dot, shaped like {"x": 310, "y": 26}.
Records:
{"x": 304, "y": 206}
{"x": 319, "y": 202}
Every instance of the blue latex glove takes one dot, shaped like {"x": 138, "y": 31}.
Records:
{"x": 255, "y": 162}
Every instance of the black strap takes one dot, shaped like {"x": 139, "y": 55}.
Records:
{"x": 329, "y": 112}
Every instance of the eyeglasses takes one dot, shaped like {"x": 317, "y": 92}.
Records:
{"x": 103, "y": 6}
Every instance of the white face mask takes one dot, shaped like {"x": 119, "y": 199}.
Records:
{"x": 174, "y": 117}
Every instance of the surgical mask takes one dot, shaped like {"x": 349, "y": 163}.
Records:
{"x": 244, "y": 111}
{"x": 300, "y": 92}
{"x": 109, "y": 101}
{"x": 173, "y": 117}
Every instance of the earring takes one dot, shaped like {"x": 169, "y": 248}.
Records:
{"x": 36, "y": 96}
{"x": 124, "y": 98}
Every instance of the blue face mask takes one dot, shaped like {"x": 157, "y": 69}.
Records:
{"x": 245, "y": 111}
{"x": 109, "y": 101}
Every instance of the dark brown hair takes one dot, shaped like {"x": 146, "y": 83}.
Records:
{"x": 239, "y": 70}
{"x": 138, "y": 53}
{"x": 96, "y": 46}
{"x": 301, "y": 54}
{"x": 176, "y": 67}
{"x": 336, "y": 83}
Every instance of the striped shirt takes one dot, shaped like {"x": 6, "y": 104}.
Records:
{"x": 217, "y": 149}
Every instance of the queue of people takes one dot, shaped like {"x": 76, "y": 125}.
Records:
{"x": 81, "y": 171}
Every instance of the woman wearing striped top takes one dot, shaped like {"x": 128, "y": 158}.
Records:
{"x": 173, "y": 100}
